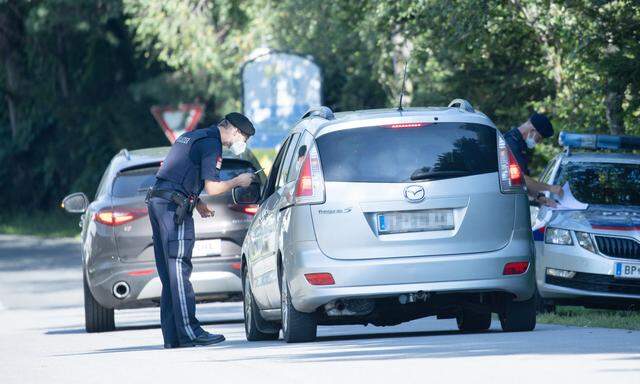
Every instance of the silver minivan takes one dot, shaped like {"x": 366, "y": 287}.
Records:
{"x": 386, "y": 216}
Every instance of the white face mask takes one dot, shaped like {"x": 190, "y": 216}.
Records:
{"x": 238, "y": 147}
{"x": 531, "y": 141}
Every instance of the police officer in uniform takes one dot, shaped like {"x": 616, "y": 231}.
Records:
{"x": 193, "y": 164}
{"x": 522, "y": 140}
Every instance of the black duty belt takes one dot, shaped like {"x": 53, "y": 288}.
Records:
{"x": 185, "y": 203}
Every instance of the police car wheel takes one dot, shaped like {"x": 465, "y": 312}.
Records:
{"x": 519, "y": 316}
{"x": 297, "y": 327}
{"x": 471, "y": 321}
{"x": 254, "y": 323}
{"x": 96, "y": 317}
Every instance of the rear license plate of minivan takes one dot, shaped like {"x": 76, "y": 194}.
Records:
{"x": 415, "y": 221}
{"x": 203, "y": 248}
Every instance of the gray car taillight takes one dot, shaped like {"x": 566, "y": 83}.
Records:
{"x": 310, "y": 184}
{"x": 511, "y": 177}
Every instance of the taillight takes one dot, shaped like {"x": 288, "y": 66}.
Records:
{"x": 310, "y": 184}
{"x": 516, "y": 268}
{"x": 119, "y": 216}
{"x": 320, "y": 278}
{"x": 249, "y": 209}
{"x": 511, "y": 177}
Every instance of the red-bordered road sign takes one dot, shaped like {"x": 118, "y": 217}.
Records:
{"x": 175, "y": 121}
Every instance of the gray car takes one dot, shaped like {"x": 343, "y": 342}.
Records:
{"x": 117, "y": 248}
{"x": 385, "y": 216}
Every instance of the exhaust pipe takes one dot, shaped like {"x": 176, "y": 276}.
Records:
{"x": 121, "y": 290}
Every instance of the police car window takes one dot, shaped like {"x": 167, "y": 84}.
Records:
{"x": 232, "y": 168}
{"x": 546, "y": 175}
{"x": 384, "y": 154}
{"x": 284, "y": 168}
{"x": 299, "y": 153}
{"x": 134, "y": 182}
{"x": 602, "y": 183}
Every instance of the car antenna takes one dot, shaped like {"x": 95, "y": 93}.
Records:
{"x": 404, "y": 79}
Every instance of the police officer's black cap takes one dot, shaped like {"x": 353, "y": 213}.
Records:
{"x": 241, "y": 122}
{"x": 542, "y": 124}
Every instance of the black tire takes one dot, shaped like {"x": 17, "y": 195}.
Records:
{"x": 254, "y": 323}
{"x": 471, "y": 321}
{"x": 544, "y": 306}
{"x": 519, "y": 316}
{"x": 96, "y": 317}
{"x": 297, "y": 327}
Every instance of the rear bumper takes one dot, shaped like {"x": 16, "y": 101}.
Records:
{"x": 481, "y": 272}
{"x": 594, "y": 278}
{"x": 212, "y": 279}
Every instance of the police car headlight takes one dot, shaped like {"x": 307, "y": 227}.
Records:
{"x": 558, "y": 236}
{"x": 584, "y": 239}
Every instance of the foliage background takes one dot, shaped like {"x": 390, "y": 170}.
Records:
{"x": 77, "y": 77}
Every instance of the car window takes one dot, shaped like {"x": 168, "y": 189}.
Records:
{"x": 134, "y": 182}
{"x": 602, "y": 183}
{"x": 270, "y": 187}
{"x": 232, "y": 168}
{"x": 299, "y": 153}
{"x": 387, "y": 154}
{"x": 284, "y": 169}
{"x": 102, "y": 186}
{"x": 546, "y": 175}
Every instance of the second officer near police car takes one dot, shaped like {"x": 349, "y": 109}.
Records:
{"x": 193, "y": 164}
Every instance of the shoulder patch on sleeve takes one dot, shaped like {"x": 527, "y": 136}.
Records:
{"x": 219, "y": 162}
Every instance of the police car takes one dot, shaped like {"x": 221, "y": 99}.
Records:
{"x": 588, "y": 248}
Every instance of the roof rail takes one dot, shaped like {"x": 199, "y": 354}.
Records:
{"x": 462, "y": 105}
{"x": 321, "y": 111}
{"x": 125, "y": 153}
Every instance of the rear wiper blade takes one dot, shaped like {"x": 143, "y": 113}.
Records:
{"x": 421, "y": 174}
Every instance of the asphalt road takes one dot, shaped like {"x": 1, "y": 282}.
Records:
{"x": 42, "y": 340}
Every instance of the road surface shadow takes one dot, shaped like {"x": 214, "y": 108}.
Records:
{"x": 137, "y": 327}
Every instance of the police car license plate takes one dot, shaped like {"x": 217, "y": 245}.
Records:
{"x": 415, "y": 221}
{"x": 203, "y": 248}
{"x": 627, "y": 270}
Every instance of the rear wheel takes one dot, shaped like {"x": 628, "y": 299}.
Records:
{"x": 253, "y": 321}
{"x": 297, "y": 327}
{"x": 472, "y": 321}
{"x": 519, "y": 316}
{"x": 96, "y": 317}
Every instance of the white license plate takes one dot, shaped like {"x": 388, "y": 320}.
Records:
{"x": 203, "y": 248}
{"x": 415, "y": 221}
{"x": 627, "y": 270}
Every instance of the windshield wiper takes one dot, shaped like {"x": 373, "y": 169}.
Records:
{"x": 426, "y": 174}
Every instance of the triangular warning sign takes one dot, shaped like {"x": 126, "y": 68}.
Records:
{"x": 175, "y": 121}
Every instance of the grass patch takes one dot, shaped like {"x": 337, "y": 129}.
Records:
{"x": 57, "y": 223}
{"x": 583, "y": 317}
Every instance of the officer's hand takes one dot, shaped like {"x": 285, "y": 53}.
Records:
{"x": 556, "y": 189}
{"x": 204, "y": 210}
{"x": 244, "y": 180}
{"x": 543, "y": 200}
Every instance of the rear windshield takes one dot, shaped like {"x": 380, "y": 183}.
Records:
{"x": 393, "y": 155}
{"x": 137, "y": 181}
{"x": 602, "y": 183}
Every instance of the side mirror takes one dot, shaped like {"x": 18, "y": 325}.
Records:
{"x": 75, "y": 203}
{"x": 248, "y": 195}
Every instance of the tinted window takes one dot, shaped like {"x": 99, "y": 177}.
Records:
{"x": 602, "y": 183}
{"x": 392, "y": 155}
{"x": 134, "y": 182}
{"x": 232, "y": 168}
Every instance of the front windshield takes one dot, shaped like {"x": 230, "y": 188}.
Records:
{"x": 602, "y": 183}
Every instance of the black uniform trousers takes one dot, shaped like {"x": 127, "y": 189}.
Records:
{"x": 173, "y": 245}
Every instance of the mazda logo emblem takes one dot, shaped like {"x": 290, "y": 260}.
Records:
{"x": 414, "y": 193}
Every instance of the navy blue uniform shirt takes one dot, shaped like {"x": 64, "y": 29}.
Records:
{"x": 205, "y": 154}
{"x": 518, "y": 147}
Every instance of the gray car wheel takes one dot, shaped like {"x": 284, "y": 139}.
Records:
{"x": 96, "y": 317}
{"x": 519, "y": 316}
{"x": 471, "y": 321}
{"x": 253, "y": 321}
{"x": 297, "y": 327}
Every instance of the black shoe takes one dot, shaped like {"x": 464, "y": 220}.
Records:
{"x": 205, "y": 339}
{"x": 169, "y": 346}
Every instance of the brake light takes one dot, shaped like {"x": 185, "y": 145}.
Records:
{"x": 319, "y": 278}
{"x": 517, "y": 268}
{"x": 249, "y": 209}
{"x": 119, "y": 216}
{"x": 310, "y": 184}
{"x": 511, "y": 177}
{"x": 406, "y": 125}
